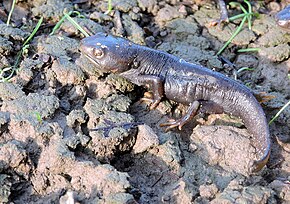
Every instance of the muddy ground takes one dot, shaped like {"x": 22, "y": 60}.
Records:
{"x": 48, "y": 152}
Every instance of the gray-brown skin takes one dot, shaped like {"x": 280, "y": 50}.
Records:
{"x": 183, "y": 82}
{"x": 283, "y": 18}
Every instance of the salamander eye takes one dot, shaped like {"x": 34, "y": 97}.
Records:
{"x": 98, "y": 52}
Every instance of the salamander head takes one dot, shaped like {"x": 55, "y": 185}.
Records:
{"x": 109, "y": 53}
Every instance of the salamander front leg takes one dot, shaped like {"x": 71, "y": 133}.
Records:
{"x": 191, "y": 112}
{"x": 155, "y": 84}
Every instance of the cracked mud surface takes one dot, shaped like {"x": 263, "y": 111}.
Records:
{"x": 49, "y": 153}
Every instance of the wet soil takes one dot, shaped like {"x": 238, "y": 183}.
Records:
{"x": 49, "y": 152}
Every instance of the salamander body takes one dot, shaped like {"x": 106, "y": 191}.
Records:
{"x": 183, "y": 82}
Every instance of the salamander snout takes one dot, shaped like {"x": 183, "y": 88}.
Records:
{"x": 109, "y": 53}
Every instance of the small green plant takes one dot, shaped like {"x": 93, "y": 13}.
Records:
{"x": 38, "y": 116}
{"x": 11, "y": 70}
{"x": 279, "y": 112}
{"x": 247, "y": 16}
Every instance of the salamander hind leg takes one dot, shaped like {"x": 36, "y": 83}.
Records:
{"x": 191, "y": 112}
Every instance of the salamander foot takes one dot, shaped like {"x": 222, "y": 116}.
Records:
{"x": 191, "y": 112}
{"x": 152, "y": 100}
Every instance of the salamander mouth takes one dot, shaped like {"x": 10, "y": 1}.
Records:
{"x": 91, "y": 59}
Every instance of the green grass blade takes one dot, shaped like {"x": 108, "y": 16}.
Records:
{"x": 249, "y": 6}
{"x": 233, "y": 36}
{"x": 76, "y": 25}
{"x": 241, "y": 70}
{"x": 33, "y": 32}
{"x": 110, "y": 7}
{"x": 240, "y": 5}
{"x": 243, "y": 9}
{"x": 247, "y": 13}
{"x": 57, "y": 26}
{"x": 279, "y": 112}
{"x": 242, "y": 15}
{"x": 10, "y": 12}
{"x": 25, "y": 44}
{"x": 245, "y": 69}
{"x": 251, "y": 49}
{"x": 249, "y": 16}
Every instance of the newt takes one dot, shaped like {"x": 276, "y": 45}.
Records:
{"x": 169, "y": 76}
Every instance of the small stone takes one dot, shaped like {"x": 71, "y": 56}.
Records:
{"x": 163, "y": 33}
{"x": 150, "y": 41}
{"x": 76, "y": 116}
{"x": 192, "y": 147}
{"x": 136, "y": 9}
{"x": 67, "y": 72}
{"x": 146, "y": 139}
{"x": 208, "y": 191}
{"x": 182, "y": 10}
{"x": 166, "y": 14}
{"x": 120, "y": 198}
{"x": 67, "y": 198}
